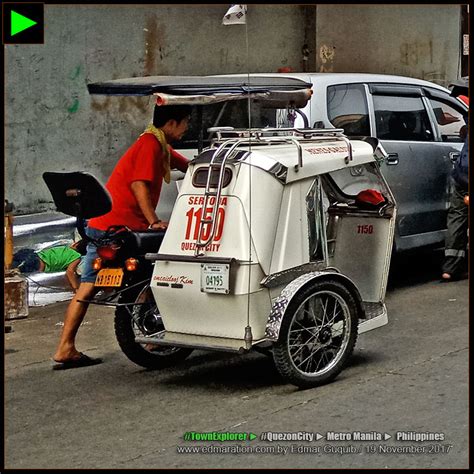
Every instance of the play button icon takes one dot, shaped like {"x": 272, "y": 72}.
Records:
{"x": 23, "y": 23}
{"x": 20, "y": 23}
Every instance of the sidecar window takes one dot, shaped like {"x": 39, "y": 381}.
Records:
{"x": 315, "y": 204}
{"x": 201, "y": 174}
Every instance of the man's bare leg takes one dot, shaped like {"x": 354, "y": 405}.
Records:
{"x": 72, "y": 320}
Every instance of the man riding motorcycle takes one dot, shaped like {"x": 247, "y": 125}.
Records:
{"x": 134, "y": 186}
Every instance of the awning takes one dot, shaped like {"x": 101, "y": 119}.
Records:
{"x": 271, "y": 91}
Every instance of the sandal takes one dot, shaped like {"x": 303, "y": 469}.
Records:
{"x": 82, "y": 361}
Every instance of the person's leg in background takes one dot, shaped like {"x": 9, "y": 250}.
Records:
{"x": 456, "y": 236}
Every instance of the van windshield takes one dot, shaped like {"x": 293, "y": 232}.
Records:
{"x": 225, "y": 114}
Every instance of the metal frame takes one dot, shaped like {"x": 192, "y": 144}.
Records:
{"x": 107, "y": 300}
{"x": 200, "y": 243}
{"x": 270, "y": 136}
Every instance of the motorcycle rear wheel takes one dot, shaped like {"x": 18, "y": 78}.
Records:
{"x": 126, "y": 328}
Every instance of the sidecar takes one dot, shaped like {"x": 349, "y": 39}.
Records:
{"x": 279, "y": 241}
{"x": 271, "y": 246}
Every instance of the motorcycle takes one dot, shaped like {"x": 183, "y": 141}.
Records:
{"x": 123, "y": 273}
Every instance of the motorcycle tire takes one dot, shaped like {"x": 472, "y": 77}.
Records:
{"x": 126, "y": 329}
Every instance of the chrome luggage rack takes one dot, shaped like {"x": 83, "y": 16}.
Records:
{"x": 225, "y": 146}
{"x": 271, "y": 136}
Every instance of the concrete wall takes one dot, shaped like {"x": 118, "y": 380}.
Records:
{"x": 411, "y": 40}
{"x": 52, "y": 124}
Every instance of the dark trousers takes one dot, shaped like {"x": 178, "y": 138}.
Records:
{"x": 456, "y": 236}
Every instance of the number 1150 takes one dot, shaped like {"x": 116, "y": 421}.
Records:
{"x": 194, "y": 216}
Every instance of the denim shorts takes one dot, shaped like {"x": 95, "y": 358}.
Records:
{"x": 88, "y": 273}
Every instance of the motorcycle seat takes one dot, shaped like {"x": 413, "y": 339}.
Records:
{"x": 147, "y": 241}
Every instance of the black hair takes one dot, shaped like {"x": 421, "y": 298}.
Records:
{"x": 26, "y": 260}
{"x": 163, "y": 113}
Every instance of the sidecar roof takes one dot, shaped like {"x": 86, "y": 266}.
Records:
{"x": 317, "y": 157}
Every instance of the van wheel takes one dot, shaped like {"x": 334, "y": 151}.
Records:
{"x": 142, "y": 319}
{"x": 317, "y": 335}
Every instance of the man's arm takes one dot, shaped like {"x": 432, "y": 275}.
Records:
{"x": 141, "y": 191}
{"x": 178, "y": 160}
{"x": 71, "y": 274}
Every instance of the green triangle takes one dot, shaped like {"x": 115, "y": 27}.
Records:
{"x": 252, "y": 436}
{"x": 20, "y": 23}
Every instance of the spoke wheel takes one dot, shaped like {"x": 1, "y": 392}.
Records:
{"x": 143, "y": 319}
{"x": 146, "y": 321}
{"x": 317, "y": 335}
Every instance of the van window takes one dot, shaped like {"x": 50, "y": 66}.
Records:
{"x": 401, "y": 118}
{"x": 347, "y": 109}
{"x": 449, "y": 121}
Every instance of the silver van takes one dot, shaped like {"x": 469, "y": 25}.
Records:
{"x": 418, "y": 123}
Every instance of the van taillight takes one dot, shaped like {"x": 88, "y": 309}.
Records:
{"x": 107, "y": 253}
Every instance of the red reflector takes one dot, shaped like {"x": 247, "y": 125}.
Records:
{"x": 107, "y": 253}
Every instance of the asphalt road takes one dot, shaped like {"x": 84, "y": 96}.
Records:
{"x": 409, "y": 376}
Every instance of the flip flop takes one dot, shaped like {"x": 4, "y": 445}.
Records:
{"x": 453, "y": 277}
{"x": 82, "y": 361}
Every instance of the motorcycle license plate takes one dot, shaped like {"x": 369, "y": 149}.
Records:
{"x": 109, "y": 277}
{"x": 215, "y": 278}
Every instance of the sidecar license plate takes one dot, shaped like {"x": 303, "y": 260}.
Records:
{"x": 109, "y": 277}
{"x": 214, "y": 278}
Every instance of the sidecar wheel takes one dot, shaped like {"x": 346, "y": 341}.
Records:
{"x": 317, "y": 335}
{"x": 126, "y": 329}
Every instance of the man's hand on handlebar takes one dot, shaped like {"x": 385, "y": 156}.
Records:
{"x": 161, "y": 225}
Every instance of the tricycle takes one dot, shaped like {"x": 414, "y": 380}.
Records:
{"x": 279, "y": 242}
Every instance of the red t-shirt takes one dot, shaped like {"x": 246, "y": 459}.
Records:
{"x": 141, "y": 162}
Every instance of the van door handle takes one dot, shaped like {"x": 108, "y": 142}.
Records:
{"x": 392, "y": 159}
